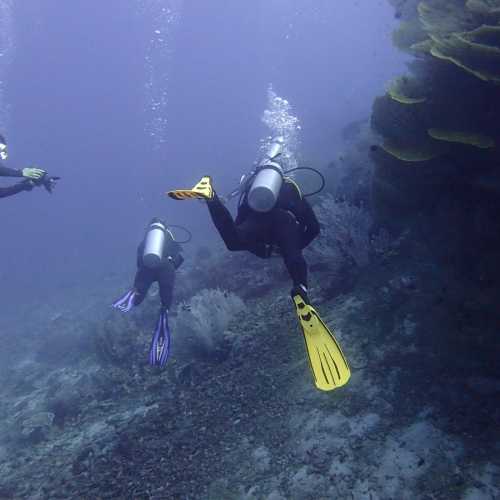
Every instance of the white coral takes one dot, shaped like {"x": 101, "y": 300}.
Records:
{"x": 345, "y": 233}
{"x": 209, "y": 313}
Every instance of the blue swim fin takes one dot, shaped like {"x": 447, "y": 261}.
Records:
{"x": 125, "y": 302}
{"x": 160, "y": 344}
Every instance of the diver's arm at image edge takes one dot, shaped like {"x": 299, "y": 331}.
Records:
{"x": 9, "y": 172}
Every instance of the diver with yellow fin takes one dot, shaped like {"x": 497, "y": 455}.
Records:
{"x": 273, "y": 215}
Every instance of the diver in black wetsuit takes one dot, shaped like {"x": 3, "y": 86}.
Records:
{"x": 158, "y": 257}
{"x": 32, "y": 176}
{"x": 272, "y": 215}
{"x": 288, "y": 228}
{"x": 164, "y": 273}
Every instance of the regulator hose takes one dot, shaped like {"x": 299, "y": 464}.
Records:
{"x": 322, "y": 177}
{"x": 188, "y": 232}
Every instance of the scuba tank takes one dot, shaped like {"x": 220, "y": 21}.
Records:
{"x": 154, "y": 243}
{"x": 266, "y": 185}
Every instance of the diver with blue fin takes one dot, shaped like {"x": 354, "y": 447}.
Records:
{"x": 158, "y": 257}
{"x": 274, "y": 216}
{"x": 32, "y": 176}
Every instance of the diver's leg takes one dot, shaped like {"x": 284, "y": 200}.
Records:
{"x": 143, "y": 281}
{"x": 288, "y": 238}
{"x": 166, "y": 280}
{"x": 137, "y": 293}
{"x": 224, "y": 223}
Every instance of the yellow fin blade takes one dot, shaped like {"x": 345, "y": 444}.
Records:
{"x": 326, "y": 359}
{"x": 201, "y": 191}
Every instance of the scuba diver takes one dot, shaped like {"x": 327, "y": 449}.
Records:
{"x": 32, "y": 176}
{"x": 158, "y": 257}
{"x": 275, "y": 217}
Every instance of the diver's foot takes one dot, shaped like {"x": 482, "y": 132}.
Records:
{"x": 201, "y": 191}
{"x": 302, "y": 291}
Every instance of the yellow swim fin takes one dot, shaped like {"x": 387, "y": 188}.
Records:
{"x": 326, "y": 360}
{"x": 202, "y": 191}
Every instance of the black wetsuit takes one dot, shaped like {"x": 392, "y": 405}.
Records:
{"x": 164, "y": 274}
{"x": 290, "y": 226}
{"x": 17, "y": 188}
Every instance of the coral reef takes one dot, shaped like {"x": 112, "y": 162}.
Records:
{"x": 345, "y": 235}
{"x": 412, "y": 423}
{"x": 443, "y": 151}
{"x": 443, "y": 94}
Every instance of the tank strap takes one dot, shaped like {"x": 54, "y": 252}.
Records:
{"x": 291, "y": 181}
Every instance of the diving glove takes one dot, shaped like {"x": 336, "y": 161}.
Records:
{"x": 33, "y": 173}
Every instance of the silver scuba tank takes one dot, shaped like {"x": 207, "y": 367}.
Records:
{"x": 154, "y": 244}
{"x": 266, "y": 186}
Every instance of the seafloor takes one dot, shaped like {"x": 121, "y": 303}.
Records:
{"x": 85, "y": 417}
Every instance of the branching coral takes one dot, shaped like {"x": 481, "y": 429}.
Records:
{"x": 345, "y": 233}
{"x": 206, "y": 316}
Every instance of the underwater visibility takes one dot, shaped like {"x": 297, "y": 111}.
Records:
{"x": 250, "y": 250}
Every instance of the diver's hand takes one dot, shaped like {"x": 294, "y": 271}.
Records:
{"x": 50, "y": 183}
{"x": 33, "y": 173}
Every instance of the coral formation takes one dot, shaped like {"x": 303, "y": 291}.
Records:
{"x": 489, "y": 8}
{"x": 346, "y": 234}
{"x": 451, "y": 135}
{"x": 478, "y": 140}
{"x": 405, "y": 91}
